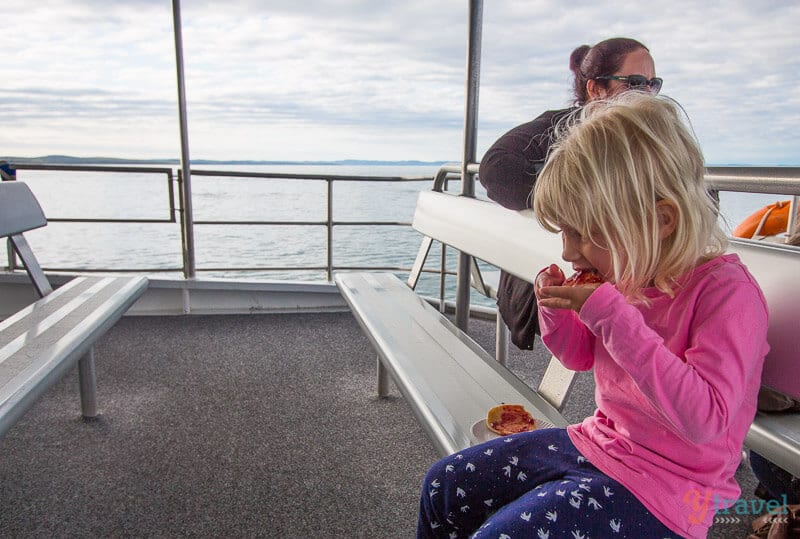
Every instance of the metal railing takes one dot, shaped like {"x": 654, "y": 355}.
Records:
{"x": 772, "y": 180}
{"x": 176, "y": 214}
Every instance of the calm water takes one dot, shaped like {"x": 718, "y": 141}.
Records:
{"x": 156, "y": 246}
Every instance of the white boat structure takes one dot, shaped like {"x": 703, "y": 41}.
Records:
{"x": 236, "y": 407}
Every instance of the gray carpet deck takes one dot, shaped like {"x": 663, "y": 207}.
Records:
{"x": 233, "y": 426}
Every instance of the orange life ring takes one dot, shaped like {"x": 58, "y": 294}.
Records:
{"x": 770, "y": 220}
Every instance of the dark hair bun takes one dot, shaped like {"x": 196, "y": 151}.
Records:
{"x": 576, "y": 58}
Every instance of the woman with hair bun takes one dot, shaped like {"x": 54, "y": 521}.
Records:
{"x": 509, "y": 168}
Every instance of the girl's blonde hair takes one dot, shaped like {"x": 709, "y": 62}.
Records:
{"x": 614, "y": 161}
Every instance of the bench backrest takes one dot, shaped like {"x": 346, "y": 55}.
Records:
{"x": 481, "y": 228}
{"x": 19, "y": 209}
{"x": 21, "y": 212}
{"x": 777, "y": 270}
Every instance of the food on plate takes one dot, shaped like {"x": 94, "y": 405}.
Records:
{"x": 506, "y": 419}
{"x": 583, "y": 276}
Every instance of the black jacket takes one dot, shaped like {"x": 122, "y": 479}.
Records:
{"x": 508, "y": 172}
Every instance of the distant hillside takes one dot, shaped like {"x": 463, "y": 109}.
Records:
{"x": 70, "y": 160}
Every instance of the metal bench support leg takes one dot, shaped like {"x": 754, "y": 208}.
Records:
{"x": 501, "y": 340}
{"x": 383, "y": 380}
{"x": 88, "y": 385}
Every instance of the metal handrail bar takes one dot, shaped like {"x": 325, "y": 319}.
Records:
{"x": 178, "y": 269}
{"x": 306, "y": 223}
{"x": 63, "y": 269}
{"x": 766, "y": 180}
{"x": 308, "y": 177}
{"x": 772, "y": 180}
{"x": 106, "y": 220}
{"x": 762, "y": 180}
{"x": 94, "y": 168}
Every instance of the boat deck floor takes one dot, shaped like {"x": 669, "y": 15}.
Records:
{"x": 235, "y": 426}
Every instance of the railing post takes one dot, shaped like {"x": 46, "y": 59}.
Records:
{"x": 443, "y": 278}
{"x": 12, "y": 256}
{"x": 329, "y": 226}
{"x": 9, "y": 174}
{"x": 187, "y": 229}
{"x": 470, "y": 131}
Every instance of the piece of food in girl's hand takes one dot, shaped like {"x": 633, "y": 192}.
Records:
{"x": 583, "y": 276}
{"x": 506, "y": 419}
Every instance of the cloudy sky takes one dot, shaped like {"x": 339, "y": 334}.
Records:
{"x": 374, "y": 79}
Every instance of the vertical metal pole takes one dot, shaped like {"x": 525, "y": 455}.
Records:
{"x": 384, "y": 379}
{"x": 188, "y": 216}
{"x": 470, "y": 137}
{"x": 9, "y": 174}
{"x": 87, "y": 378}
{"x": 443, "y": 279}
{"x": 791, "y": 225}
{"x": 329, "y": 259}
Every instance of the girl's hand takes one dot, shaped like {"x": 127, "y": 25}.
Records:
{"x": 565, "y": 297}
{"x": 549, "y": 276}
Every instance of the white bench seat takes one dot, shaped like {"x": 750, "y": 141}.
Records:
{"x": 44, "y": 340}
{"x": 39, "y": 344}
{"x": 448, "y": 379}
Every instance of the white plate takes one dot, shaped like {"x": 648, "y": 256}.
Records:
{"x": 482, "y": 433}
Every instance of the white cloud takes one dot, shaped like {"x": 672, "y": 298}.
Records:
{"x": 361, "y": 79}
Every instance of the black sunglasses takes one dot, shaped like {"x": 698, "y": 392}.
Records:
{"x": 636, "y": 81}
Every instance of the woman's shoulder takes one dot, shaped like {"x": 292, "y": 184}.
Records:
{"x": 549, "y": 118}
{"x": 546, "y": 121}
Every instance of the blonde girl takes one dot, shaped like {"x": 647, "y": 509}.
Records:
{"x": 675, "y": 336}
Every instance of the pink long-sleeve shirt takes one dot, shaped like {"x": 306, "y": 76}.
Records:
{"x": 676, "y": 387}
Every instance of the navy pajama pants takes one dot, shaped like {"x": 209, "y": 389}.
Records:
{"x": 530, "y": 485}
